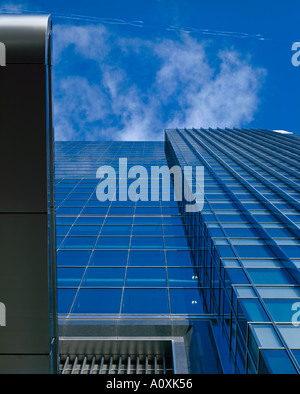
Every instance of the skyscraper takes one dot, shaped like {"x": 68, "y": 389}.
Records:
{"x": 144, "y": 286}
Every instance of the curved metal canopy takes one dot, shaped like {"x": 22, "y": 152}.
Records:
{"x": 25, "y": 38}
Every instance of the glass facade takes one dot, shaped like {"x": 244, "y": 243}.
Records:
{"x": 230, "y": 271}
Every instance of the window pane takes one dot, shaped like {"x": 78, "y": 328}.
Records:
{"x": 150, "y": 258}
{"x": 147, "y": 230}
{"x": 65, "y": 299}
{"x": 116, "y": 230}
{"x": 104, "y": 258}
{"x": 97, "y": 301}
{"x": 146, "y": 277}
{"x": 113, "y": 243}
{"x": 147, "y": 243}
{"x": 69, "y": 277}
{"x": 179, "y": 258}
{"x": 182, "y": 277}
{"x": 261, "y": 276}
{"x": 85, "y": 230}
{"x": 70, "y": 257}
{"x": 103, "y": 277}
{"x": 186, "y": 301}
{"x": 145, "y": 301}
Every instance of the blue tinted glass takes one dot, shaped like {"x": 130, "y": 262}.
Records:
{"x": 79, "y": 196}
{"x": 62, "y": 230}
{"x": 275, "y": 362}
{"x": 179, "y": 258}
{"x": 147, "y": 230}
{"x": 68, "y": 211}
{"x": 69, "y": 277}
{"x": 97, "y": 203}
{"x": 279, "y": 232}
{"x": 109, "y": 258}
{"x": 147, "y": 243}
{"x": 186, "y": 301}
{"x": 121, "y": 211}
{"x": 225, "y": 251}
{"x": 176, "y": 243}
{"x": 147, "y": 220}
{"x": 145, "y": 301}
{"x": 174, "y": 230}
{"x": 292, "y": 251}
{"x": 85, "y": 230}
{"x": 241, "y": 232}
{"x": 281, "y": 309}
{"x": 297, "y": 355}
{"x": 170, "y": 211}
{"x": 147, "y": 210}
{"x": 257, "y": 251}
{"x": 90, "y": 220}
{"x": 150, "y": 258}
{"x": 97, "y": 301}
{"x": 118, "y": 220}
{"x": 78, "y": 243}
{"x": 172, "y": 220}
{"x": 116, "y": 230}
{"x": 70, "y": 257}
{"x": 270, "y": 276}
{"x": 253, "y": 310}
{"x": 182, "y": 277}
{"x": 113, "y": 243}
{"x": 146, "y": 277}
{"x": 73, "y": 203}
{"x": 65, "y": 299}
{"x": 103, "y": 277}
{"x": 236, "y": 276}
{"x": 60, "y": 196}
{"x": 231, "y": 218}
{"x": 65, "y": 219}
{"x": 94, "y": 211}
{"x": 216, "y": 232}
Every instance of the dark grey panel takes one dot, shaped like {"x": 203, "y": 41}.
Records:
{"x": 23, "y": 148}
{"x": 22, "y": 364}
{"x": 24, "y": 283}
{"x": 25, "y": 38}
{"x": 27, "y": 228}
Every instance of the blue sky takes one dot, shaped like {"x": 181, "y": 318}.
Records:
{"x": 125, "y": 70}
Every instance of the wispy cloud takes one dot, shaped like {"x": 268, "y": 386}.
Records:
{"x": 17, "y": 7}
{"x": 131, "y": 89}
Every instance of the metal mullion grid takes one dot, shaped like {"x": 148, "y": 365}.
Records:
{"x": 220, "y": 277}
{"x": 272, "y": 151}
{"x": 277, "y": 138}
{"x": 76, "y": 216}
{"x": 283, "y": 137}
{"x": 224, "y": 137}
{"x": 206, "y": 240}
{"x": 258, "y": 150}
{"x": 266, "y": 140}
{"x": 166, "y": 266}
{"x": 266, "y": 147}
{"x": 128, "y": 252}
{"x": 126, "y": 267}
{"x": 280, "y": 215}
{"x": 66, "y": 198}
{"x": 88, "y": 263}
{"x": 234, "y": 198}
{"x": 79, "y": 286}
{"x": 205, "y": 267}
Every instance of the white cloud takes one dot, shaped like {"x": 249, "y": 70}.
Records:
{"x": 13, "y": 7}
{"x": 182, "y": 85}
